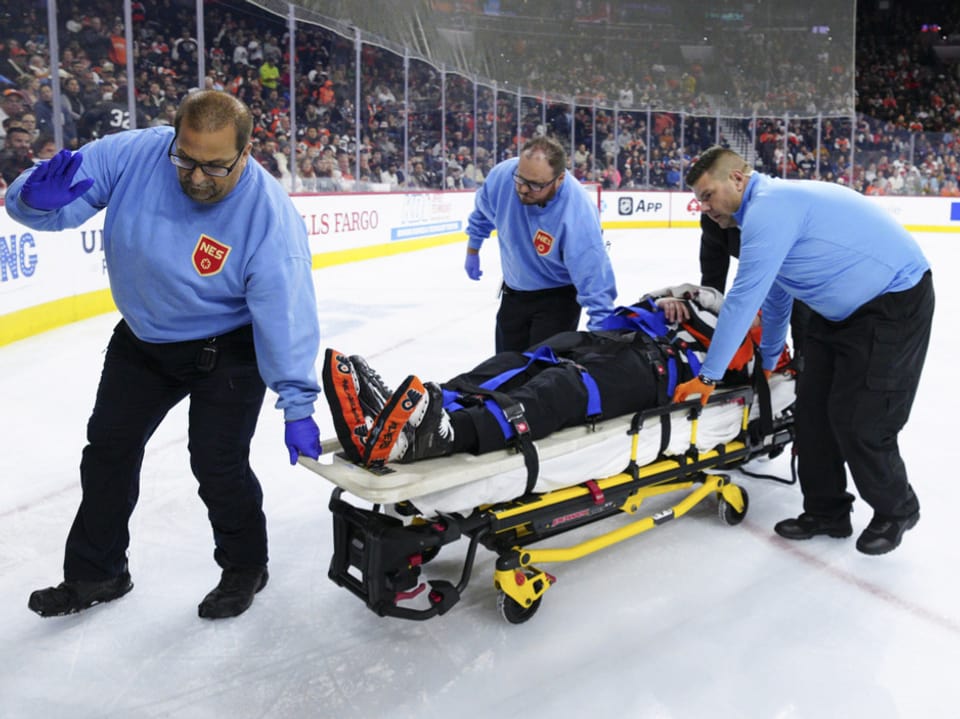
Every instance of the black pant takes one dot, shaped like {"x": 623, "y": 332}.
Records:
{"x": 858, "y": 383}
{"x": 526, "y": 318}
{"x": 554, "y": 396}
{"x": 799, "y": 318}
{"x": 140, "y": 383}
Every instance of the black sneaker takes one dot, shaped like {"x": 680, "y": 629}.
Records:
{"x": 428, "y": 433}
{"x": 234, "y": 594}
{"x": 810, "y": 525}
{"x": 884, "y": 533}
{"x": 373, "y": 391}
{"x": 76, "y": 595}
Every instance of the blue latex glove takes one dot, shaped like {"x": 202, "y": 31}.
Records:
{"x": 302, "y": 437}
{"x": 48, "y": 187}
{"x": 472, "y": 266}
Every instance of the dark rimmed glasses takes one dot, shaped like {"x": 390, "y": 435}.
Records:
{"x": 533, "y": 186}
{"x": 183, "y": 163}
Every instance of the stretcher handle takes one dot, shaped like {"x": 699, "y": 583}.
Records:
{"x": 694, "y": 405}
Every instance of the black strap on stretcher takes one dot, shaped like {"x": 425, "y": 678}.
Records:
{"x": 507, "y": 411}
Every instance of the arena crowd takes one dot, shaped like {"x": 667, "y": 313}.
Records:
{"x": 440, "y": 137}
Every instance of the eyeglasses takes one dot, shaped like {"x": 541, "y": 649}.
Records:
{"x": 534, "y": 186}
{"x": 183, "y": 163}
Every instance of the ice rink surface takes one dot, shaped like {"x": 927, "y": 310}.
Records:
{"x": 695, "y": 619}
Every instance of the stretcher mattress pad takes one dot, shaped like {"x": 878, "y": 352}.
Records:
{"x": 567, "y": 457}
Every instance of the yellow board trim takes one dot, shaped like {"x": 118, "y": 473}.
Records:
{"x": 57, "y": 313}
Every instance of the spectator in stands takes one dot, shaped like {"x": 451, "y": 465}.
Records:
{"x": 343, "y": 174}
{"x": 454, "y": 179}
{"x": 184, "y": 49}
{"x": 12, "y": 104}
{"x": 16, "y": 154}
{"x": 72, "y": 99}
{"x": 263, "y": 153}
{"x": 44, "y": 147}
{"x": 118, "y": 45}
{"x": 269, "y": 72}
{"x": 419, "y": 177}
{"x": 391, "y": 176}
{"x": 44, "y": 116}
{"x": 94, "y": 39}
{"x": 306, "y": 175}
{"x": 326, "y": 171}
{"x": 28, "y": 121}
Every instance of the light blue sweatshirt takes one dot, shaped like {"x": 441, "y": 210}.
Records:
{"x": 571, "y": 245}
{"x": 819, "y": 242}
{"x": 171, "y": 283}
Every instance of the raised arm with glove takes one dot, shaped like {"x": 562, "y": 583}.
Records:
{"x": 50, "y": 187}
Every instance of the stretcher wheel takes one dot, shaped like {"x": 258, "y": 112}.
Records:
{"x": 730, "y": 515}
{"x": 512, "y": 611}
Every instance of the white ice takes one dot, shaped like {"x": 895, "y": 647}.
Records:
{"x": 694, "y": 619}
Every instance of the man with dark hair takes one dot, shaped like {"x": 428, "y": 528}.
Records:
{"x": 552, "y": 252}
{"x": 15, "y": 156}
{"x": 870, "y": 291}
{"x": 45, "y": 119}
{"x": 210, "y": 268}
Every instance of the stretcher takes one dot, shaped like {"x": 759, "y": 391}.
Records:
{"x": 586, "y": 474}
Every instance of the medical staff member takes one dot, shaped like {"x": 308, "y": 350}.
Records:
{"x": 870, "y": 290}
{"x": 552, "y": 254}
{"x": 719, "y": 241}
{"x": 210, "y": 268}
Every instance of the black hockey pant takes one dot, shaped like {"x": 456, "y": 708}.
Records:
{"x": 555, "y": 396}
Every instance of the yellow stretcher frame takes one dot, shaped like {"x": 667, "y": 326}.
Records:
{"x": 379, "y": 557}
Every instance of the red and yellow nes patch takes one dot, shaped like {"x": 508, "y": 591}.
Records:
{"x": 209, "y": 256}
{"x": 542, "y": 242}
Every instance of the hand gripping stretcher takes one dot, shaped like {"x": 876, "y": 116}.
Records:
{"x": 586, "y": 474}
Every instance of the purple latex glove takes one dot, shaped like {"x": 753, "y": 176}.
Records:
{"x": 472, "y": 266}
{"x": 302, "y": 437}
{"x": 49, "y": 186}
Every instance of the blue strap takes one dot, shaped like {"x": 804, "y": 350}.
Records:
{"x": 545, "y": 354}
{"x": 451, "y": 399}
{"x": 593, "y": 394}
{"x": 671, "y": 375}
{"x": 646, "y": 317}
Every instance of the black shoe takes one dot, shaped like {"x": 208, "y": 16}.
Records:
{"x": 372, "y": 390}
{"x": 884, "y": 533}
{"x": 76, "y": 595}
{"x": 234, "y": 594}
{"x": 428, "y": 433}
{"x": 810, "y": 525}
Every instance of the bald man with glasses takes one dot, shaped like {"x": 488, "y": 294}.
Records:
{"x": 211, "y": 270}
{"x": 552, "y": 254}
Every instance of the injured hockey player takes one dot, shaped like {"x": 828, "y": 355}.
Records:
{"x": 573, "y": 378}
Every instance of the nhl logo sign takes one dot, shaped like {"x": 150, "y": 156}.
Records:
{"x": 542, "y": 243}
{"x": 209, "y": 256}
